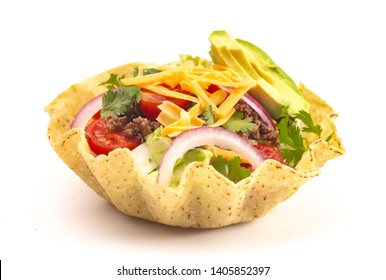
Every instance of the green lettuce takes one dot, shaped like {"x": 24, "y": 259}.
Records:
{"x": 157, "y": 145}
{"x": 190, "y": 156}
{"x": 198, "y": 61}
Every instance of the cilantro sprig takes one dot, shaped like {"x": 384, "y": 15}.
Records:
{"x": 293, "y": 143}
{"x": 145, "y": 71}
{"x": 305, "y": 117}
{"x": 113, "y": 81}
{"x": 209, "y": 116}
{"x": 119, "y": 100}
{"x": 231, "y": 169}
{"x": 238, "y": 123}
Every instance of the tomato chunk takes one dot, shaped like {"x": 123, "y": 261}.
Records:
{"x": 270, "y": 152}
{"x": 213, "y": 88}
{"x": 150, "y": 101}
{"x": 103, "y": 141}
{"x": 97, "y": 115}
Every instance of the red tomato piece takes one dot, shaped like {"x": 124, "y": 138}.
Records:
{"x": 213, "y": 88}
{"x": 97, "y": 115}
{"x": 102, "y": 141}
{"x": 269, "y": 152}
{"x": 150, "y": 101}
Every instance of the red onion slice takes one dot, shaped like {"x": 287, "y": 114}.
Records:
{"x": 255, "y": 105}
{"x": 206, "y": 135}
{"x": 87, "y": 111}
{"x": 259, "y": 109}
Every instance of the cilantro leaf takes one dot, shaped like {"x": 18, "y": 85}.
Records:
{"x": 237, "y": 172}
{"x": 120, "y": 101}
{"x": 238, "y": 123}
{"x": 146, "y": 71}
{"x": 220, "y": 164}
{"x": 292, "y": 155}
{"x": 149, "y": 71}
{"x": 113, "y": 81}
{"x": 135, "y": 72}
{"x": 293, "y": 143}
{"x": 292, "y": 140}
{"x": 232, "y": 169}
{"x": 133, "y": 92}
{"x": 329, "y": 137}
{"x": 305, "y": 117}
{"x": 208, "y": 116}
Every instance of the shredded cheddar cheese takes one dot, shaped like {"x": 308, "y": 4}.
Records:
{"x": 231, "y": 101}
{"x": 218, "y": 96}
{"x": 223, "y": 120}
{"x": 171, "y": 93}
{"x": 203, "y": 94}
{"x": 176, "y": 120}
{"x": 188, "y": 82}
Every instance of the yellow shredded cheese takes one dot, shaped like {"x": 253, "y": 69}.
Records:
{"x": 217, "y": 82}
{"x": 231, "y": 101}
{"x": 216, "y": 76}
{"x": 203, "y": 94}
{"x": 172, "y": 83}
{"x": 175, "y": 119}
{"x": 218, "y": 96}
{"x": 194, "y": 111}
{"x": 170, "y": 93}
{"x": 149, "y": 79}
{"x": 193, "y": 82}
{"x": 184, "y": 118}
{"x": 223, "y": 120}
{"x": 179, "y": 73}
{"x": 170, "y": 113}
{"x": 229, "y": 72}
{"x": 175, "y": 130}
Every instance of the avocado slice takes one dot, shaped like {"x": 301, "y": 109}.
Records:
{"x": 222, "y": 54}
{"x": 274, "y": 89}
{"x": 265, "y": 66}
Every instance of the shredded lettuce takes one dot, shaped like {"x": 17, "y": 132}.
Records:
{"x": 196, "y": 60}
{"x": 157, "y": 144}
{"x": 143, "y": 158}
{"x": 190, "y": 156}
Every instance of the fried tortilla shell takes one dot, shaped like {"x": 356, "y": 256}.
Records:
{"x": 204, "y": 198}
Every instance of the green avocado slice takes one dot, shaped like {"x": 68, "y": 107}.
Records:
{"x": 274, "y": 89}
{"x": 221, "y": 54}
{"x": 265, "y": 66}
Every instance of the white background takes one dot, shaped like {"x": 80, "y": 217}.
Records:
{"x": 53, "y": 227}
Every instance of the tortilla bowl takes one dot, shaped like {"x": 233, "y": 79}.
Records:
{"x": 204, "y": 198}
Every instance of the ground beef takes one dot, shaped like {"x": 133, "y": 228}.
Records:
{"x": 263, "y": 132}
{"x": 138, "y": 127}
{"x": 115, "y": 123}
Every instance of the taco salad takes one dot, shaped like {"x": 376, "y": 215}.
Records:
{"x": 197, "y": 142}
